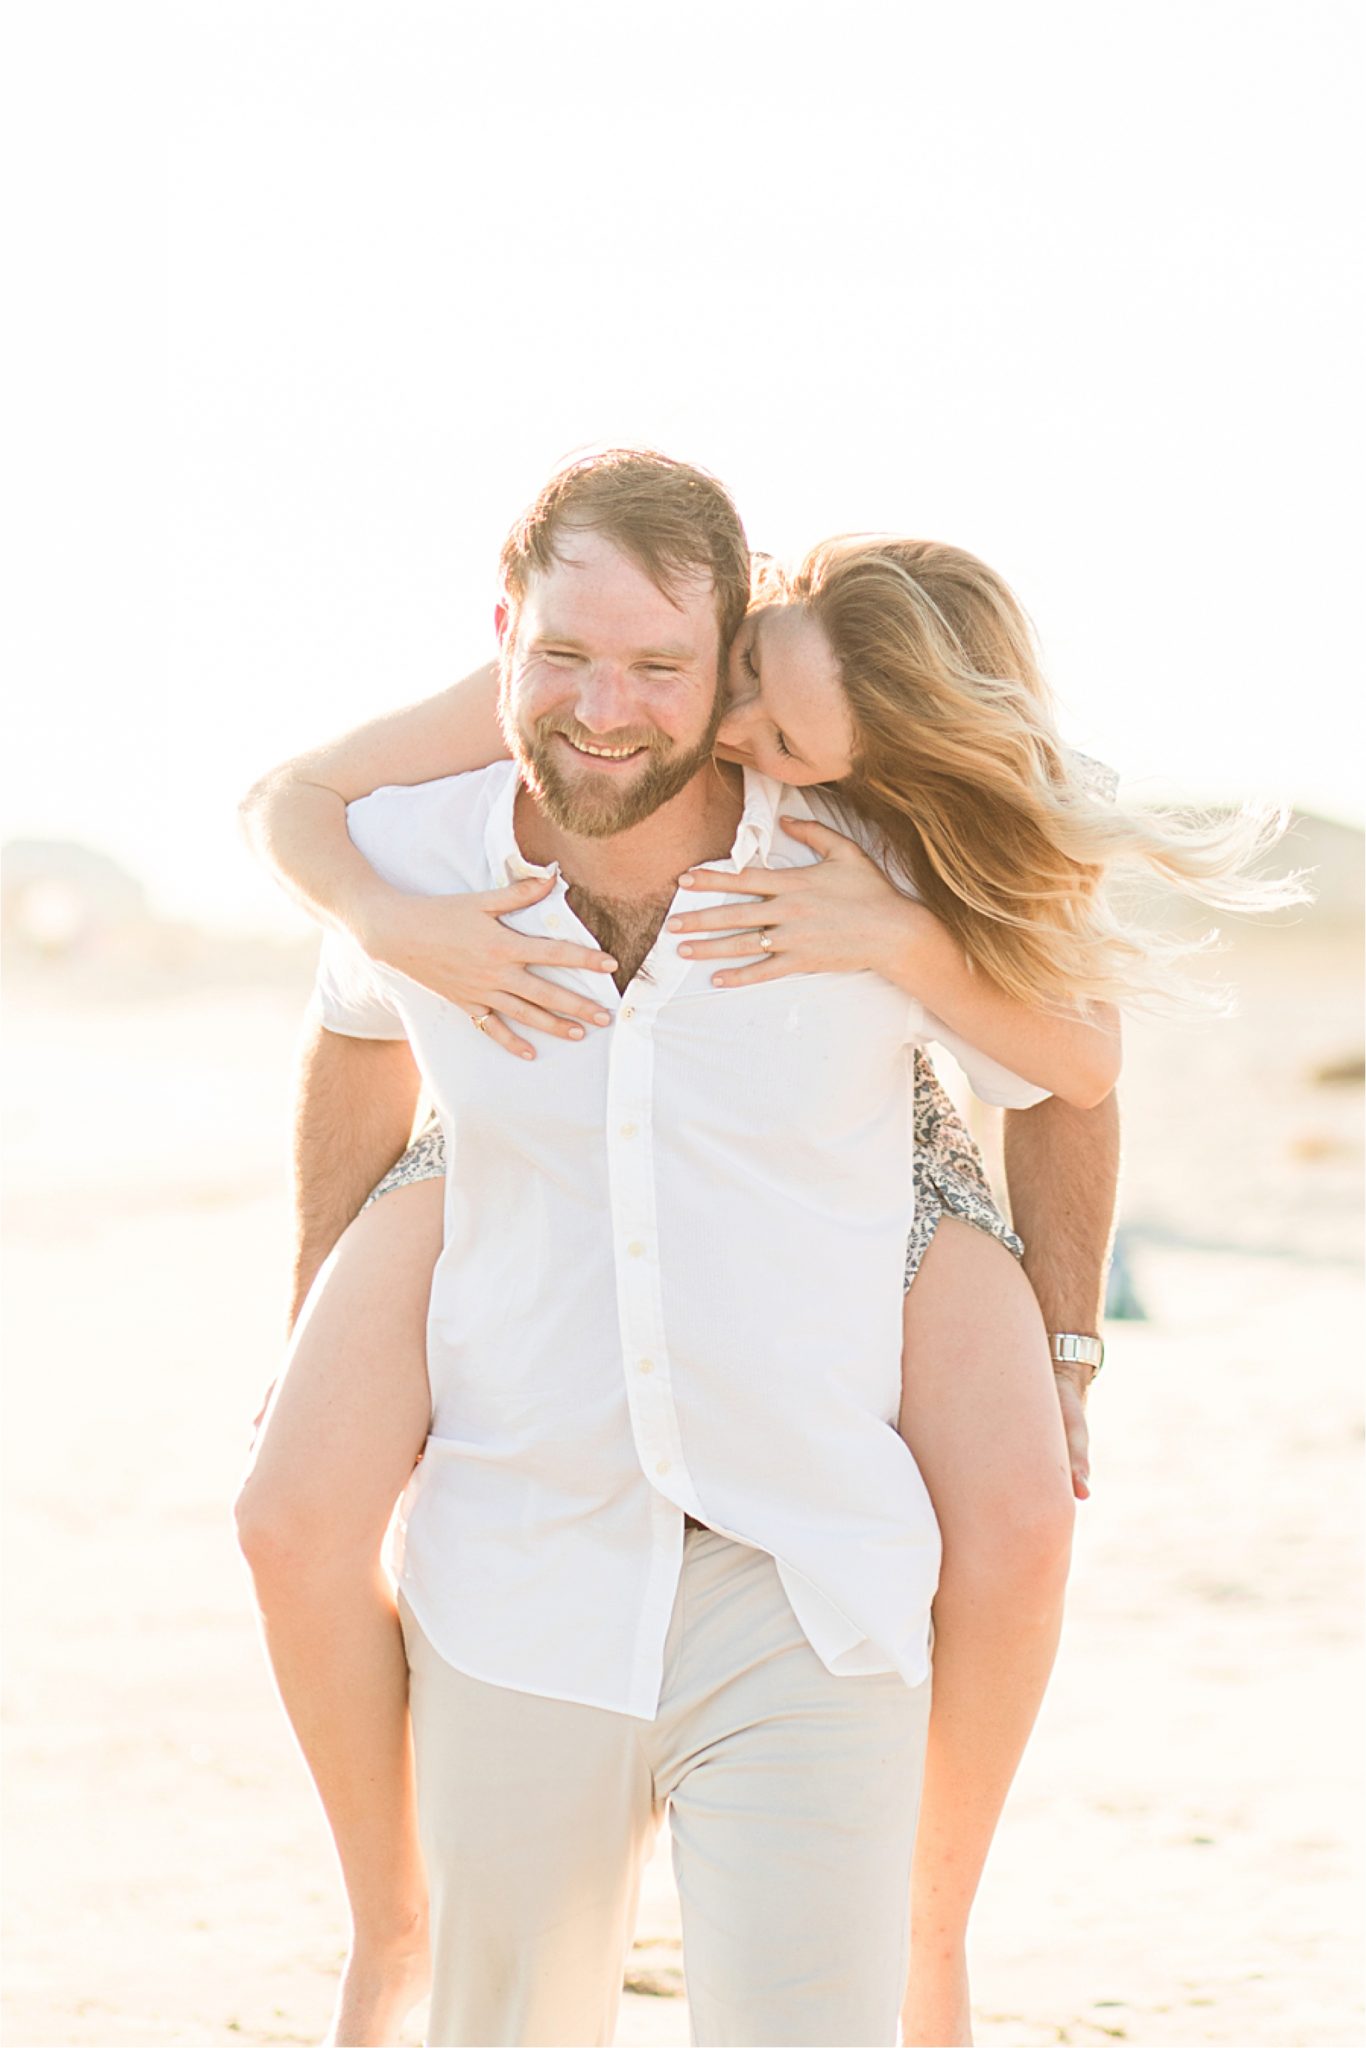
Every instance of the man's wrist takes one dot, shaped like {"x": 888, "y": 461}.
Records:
{"x": 1076, "y": 1351}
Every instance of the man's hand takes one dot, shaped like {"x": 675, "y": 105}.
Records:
{"x": 1062, "y": 1169}
{"x": 1072, "y": 1382}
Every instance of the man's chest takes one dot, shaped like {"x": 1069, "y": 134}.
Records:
{"x": 806, "y": 1069}
{"x": 627, "y": 929}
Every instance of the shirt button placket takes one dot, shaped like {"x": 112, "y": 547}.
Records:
{"x": 633, "y": 1194}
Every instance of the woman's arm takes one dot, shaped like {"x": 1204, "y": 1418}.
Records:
{"x": 295, "y": 819}
{"x": 1075, "y": 1058}
{"x": 843, "y": 916}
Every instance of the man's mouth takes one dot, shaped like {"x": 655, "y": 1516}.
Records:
{"x": 594, "y": 753}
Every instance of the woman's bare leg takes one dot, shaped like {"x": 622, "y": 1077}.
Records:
{"x": 345, "y": 1427}
{"x": 981, "y": 1416}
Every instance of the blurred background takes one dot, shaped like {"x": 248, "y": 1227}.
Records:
{"x": 312, "y": 298}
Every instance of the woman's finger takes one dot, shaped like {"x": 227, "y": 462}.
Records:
{"x": 739, "y": 946}
{"x": 504, "y": 1035}
{"x": 534, "y": 1018}
{"x": 771, "y": 968}
{"x": 529, "y": 952}
{"x": 747, "y": 882}
{"x": 516, "y": 895}
{"x": 824, "y": 838}
{"x": 546, "y": 995}
{"x": 724, "y": 917}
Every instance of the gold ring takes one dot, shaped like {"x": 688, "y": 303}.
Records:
{"x": 481, "y": 1020}
{"x": 765, "y": 942}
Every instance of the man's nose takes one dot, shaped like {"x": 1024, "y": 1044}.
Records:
{"x": 605, "y": 701}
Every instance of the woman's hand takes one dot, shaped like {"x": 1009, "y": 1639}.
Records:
{"x": 459, "y": 947}
{"x": 840, "y": 916}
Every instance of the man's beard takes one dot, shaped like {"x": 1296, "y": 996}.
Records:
{"x": 591, "y": 804}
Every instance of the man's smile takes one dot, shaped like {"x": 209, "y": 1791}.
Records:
{"x": 595, "y": 753}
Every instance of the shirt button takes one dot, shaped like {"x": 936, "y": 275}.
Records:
{"x": 662, "y": 1467}
{"x": 646, "y": 1365}
{"x": 628, "y": 1130}
{"x": 628, "y": 1013}
{"x": 636, "y": 1250}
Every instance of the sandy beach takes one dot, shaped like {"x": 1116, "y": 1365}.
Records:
{"x": 1180, "y": 1862}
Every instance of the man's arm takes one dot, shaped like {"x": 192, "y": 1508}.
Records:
{"x": 354, "y": 1106}
{"x": 1062, "y": 1169}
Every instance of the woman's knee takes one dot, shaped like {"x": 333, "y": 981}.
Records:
{"x": 269, "y": 1534}
{"x": 1018, "y": 1547}
{"x": 292, "y": 1537}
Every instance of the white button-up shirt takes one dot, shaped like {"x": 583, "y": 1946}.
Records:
{"x": 671, "y": 1282}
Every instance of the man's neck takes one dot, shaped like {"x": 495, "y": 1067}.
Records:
{"x": 621, "y": 887}
{"x": 642, "y": 864}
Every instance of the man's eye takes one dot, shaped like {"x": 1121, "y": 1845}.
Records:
{"x": 560, "y": 654}
{"x": 660, "y": 668}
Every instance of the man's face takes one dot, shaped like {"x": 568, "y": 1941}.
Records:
{"x": 611, "y": 692}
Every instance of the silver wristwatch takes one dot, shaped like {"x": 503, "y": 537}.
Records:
{"x": 1069, "y": 1349}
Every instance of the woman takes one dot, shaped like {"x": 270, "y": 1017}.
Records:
{"x": 903, "y": 673}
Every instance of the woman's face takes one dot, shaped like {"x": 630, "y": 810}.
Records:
{"x": 788, "y": 714}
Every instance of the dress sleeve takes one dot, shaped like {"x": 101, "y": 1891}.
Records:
{"x": 352, "y": 998}
{"x": 987, "y": 1078}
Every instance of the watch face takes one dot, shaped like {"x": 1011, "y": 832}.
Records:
{"x": 1074, "y": 1350}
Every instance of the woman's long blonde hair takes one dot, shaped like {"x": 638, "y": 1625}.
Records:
{"x": 1007, "y": 834}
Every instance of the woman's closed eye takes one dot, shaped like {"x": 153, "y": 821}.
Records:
{"x": 747, "y": 663}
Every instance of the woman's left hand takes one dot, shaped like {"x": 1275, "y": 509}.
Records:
{"x": 838, "y": 916}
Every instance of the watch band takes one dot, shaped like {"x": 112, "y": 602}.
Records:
{"x": 1070, "y": 1349}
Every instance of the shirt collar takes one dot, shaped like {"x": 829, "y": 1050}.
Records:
{"x": 507, "y": 863}
{"x": 758, "y": 821}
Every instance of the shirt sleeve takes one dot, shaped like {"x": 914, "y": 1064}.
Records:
{"x": 987, "y": 1078}
{"x": 352, "y": 997}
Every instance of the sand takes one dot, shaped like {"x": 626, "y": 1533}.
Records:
{"x": 1180, "y": 1862}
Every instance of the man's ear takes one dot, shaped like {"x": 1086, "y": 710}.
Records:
{"x": 502, "y": 620}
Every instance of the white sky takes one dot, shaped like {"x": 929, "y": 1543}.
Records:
{"x": 315, "y": 294}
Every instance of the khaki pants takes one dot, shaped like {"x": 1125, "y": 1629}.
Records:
{"x": 792, "y": 1799}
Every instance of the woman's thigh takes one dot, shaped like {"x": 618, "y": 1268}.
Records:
{"x": 350, "y": 1413}
{"x": 979, "y": 1408}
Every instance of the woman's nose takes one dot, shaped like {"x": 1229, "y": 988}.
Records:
{"x": 738, "y": 724}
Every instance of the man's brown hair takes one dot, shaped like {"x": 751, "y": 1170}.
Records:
{"x": 674, "y": 521}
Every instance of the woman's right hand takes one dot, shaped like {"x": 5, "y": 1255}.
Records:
{"x": 459, "y": 947}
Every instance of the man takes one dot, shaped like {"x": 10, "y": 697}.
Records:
{"x": 665, "y": 1545}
